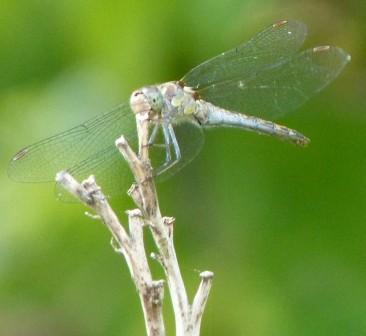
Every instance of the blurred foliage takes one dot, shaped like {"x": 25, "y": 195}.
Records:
{"x": 282, "y": 228}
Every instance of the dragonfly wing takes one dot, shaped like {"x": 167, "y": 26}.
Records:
{"x": 41, "y": 161}
{"x": 111, "y": 172}
{"x": 269, "y": 48}
{"x": 279, "y": 89}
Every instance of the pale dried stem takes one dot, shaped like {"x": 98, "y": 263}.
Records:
{"x": 130, "y": 245}
{"x": 144, "y": 194}
{"x": 200, "y": 300}
{"x": 187, "y": 317}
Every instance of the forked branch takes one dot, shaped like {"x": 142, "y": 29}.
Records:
{"x": 131, "y": 245}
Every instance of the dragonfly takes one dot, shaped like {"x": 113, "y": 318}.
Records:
{"x": 244, "y": 88}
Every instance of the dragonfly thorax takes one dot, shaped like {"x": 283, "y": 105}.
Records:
{"x": 179, "y": 101}
{"x": 165, "y": 102}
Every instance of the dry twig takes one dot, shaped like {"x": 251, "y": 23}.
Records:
{"x": 131, "y": 245}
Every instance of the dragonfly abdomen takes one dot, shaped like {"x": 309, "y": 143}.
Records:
{"x": 210, "y": 115}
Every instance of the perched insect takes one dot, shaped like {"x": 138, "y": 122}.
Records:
{"x": 263, "y": 78}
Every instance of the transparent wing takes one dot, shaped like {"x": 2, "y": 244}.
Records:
{"x": 269, "y": 48}
{"x": 75, "y": 149}
{"x": 89, "y": 149}
{"x": 109, "y": 168}
{"x": 276, "y": 90}
{"x": 114, "y": 176}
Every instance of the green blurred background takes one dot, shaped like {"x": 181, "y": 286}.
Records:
{"x": 282, "y": 228}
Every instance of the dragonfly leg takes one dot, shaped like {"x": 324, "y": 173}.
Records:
{"x": 175, "y": 144}
{"x": 153, "y": 135}
{"x": 168, "y": 152}
{"x": 170, "y": 140}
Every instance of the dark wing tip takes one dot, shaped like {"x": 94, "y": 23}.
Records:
{"x": 19, "y": 155}
{"x": 280, "y": 23}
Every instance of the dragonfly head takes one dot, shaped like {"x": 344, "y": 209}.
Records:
{"x": 147, "y": 99}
